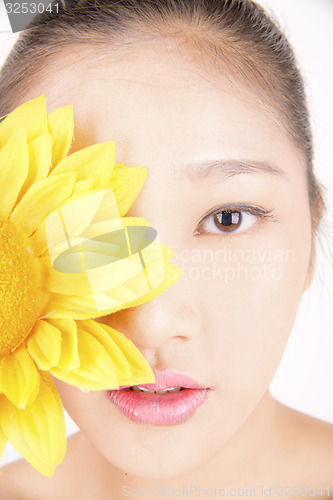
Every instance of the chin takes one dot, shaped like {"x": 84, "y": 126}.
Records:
{"x": 162, "y": 464}
{"x": 159, "y": 452}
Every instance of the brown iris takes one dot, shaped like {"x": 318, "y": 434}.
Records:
{"x": 227, "y": 221}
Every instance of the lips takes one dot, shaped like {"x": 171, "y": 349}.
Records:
{"x": 171, "y": 400}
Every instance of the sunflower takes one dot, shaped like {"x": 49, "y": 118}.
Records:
{"x": 68, "y": 254}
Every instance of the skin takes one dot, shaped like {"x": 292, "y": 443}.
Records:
{"x": 167, "y": 112}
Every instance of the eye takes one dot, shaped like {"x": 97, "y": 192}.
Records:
{"x": 231, "y": 220}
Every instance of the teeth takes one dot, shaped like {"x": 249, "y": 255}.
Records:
{"x": 171, "y": 389}
{"x": 138, "y": 388}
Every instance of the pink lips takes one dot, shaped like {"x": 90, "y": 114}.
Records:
{"x": 160, "y": 409}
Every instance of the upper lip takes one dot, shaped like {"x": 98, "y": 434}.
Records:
{"x": 166, "y": 379}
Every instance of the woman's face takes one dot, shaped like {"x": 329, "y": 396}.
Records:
{"x": 209, "y": 146}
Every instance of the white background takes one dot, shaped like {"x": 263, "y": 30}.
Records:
{"x": 304, "y": 379}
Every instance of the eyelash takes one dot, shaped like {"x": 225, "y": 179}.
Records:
{"x": 241, "y": 208}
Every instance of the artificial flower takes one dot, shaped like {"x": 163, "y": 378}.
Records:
{"x": 68, "y": 254}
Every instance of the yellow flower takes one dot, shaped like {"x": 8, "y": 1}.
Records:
{"x": 67, "y": 254}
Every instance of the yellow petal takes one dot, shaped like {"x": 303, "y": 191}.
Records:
{"x": 108, "y": 208}
{"x": 61, "y": 126}
{"x": 47, "y": 243}
{"x": 72, "y": 218}
{"x": 55, "y": 235}
{"x": 135, "y": 291}
{"x": 122, "y": 295}
{"x": 4, "y": 418}
{"x": 44, "y": 345}
{"x": 104, "y": 227}
{"x": 69, "y": 356}
{"x": 153, "y": 271}
{"x": 39, "y": 160}
{"x": 107, "y": 256}
{"x": 66, "y": 283}
{"x": 19, "y": 378}
{"x": 95, "y": 162}
{"x": 126, "y": 183}
{"x": 103, "y": 334}
{"x": 140, "y": 369}
{"x": 31, "y": 116}
{"x": 14, "y": 161}
{"x": 38, "y": 432}
{"x": 38, "y": 240}
{"x": 105, "y": 278}
{"x": 3, "y": 440}
{"x": 41, "y": 199}
{"x": 83, "y": 186}
{"x": 74, "y": 306}
{"x": 96, "y": 370}
{"x": 138, "y": 285}
{"x": 108, "y": 259}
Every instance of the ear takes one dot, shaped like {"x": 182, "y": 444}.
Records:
{"x": 311, "y": 268}
{"x": 319, "y": 210}
{"x": 312, "y": 263}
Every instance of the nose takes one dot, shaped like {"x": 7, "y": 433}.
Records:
{"x": 171, "y": 315}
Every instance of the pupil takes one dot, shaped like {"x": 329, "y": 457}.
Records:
{"x": 228, "y": 220}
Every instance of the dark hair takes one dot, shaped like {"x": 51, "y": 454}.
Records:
{"x": 237, "y": 33}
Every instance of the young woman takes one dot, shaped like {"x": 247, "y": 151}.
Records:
{"x": 207, "y": 96}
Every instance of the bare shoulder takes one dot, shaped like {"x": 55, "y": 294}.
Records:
{"x": 321, "y": 447}
{"x": 20, "y": 481}
{"x": 314, "y": 439}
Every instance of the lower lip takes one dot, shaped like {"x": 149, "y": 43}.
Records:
{"x": 157, "y": 409}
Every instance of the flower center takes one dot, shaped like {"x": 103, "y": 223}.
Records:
{"x": 21, "y": 296}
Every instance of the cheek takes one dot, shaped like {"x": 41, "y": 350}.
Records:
{"x": 85, "y": 409}
{"x": 80, "y": 405}
{"x": 249, "y": 294}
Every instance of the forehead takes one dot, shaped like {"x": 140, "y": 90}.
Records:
{"x": 164, "y": 100}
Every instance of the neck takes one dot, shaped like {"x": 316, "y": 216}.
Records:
{"x": 247, "y": 460}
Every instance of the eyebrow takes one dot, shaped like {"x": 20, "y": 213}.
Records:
{"x": 223, "y": 169}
